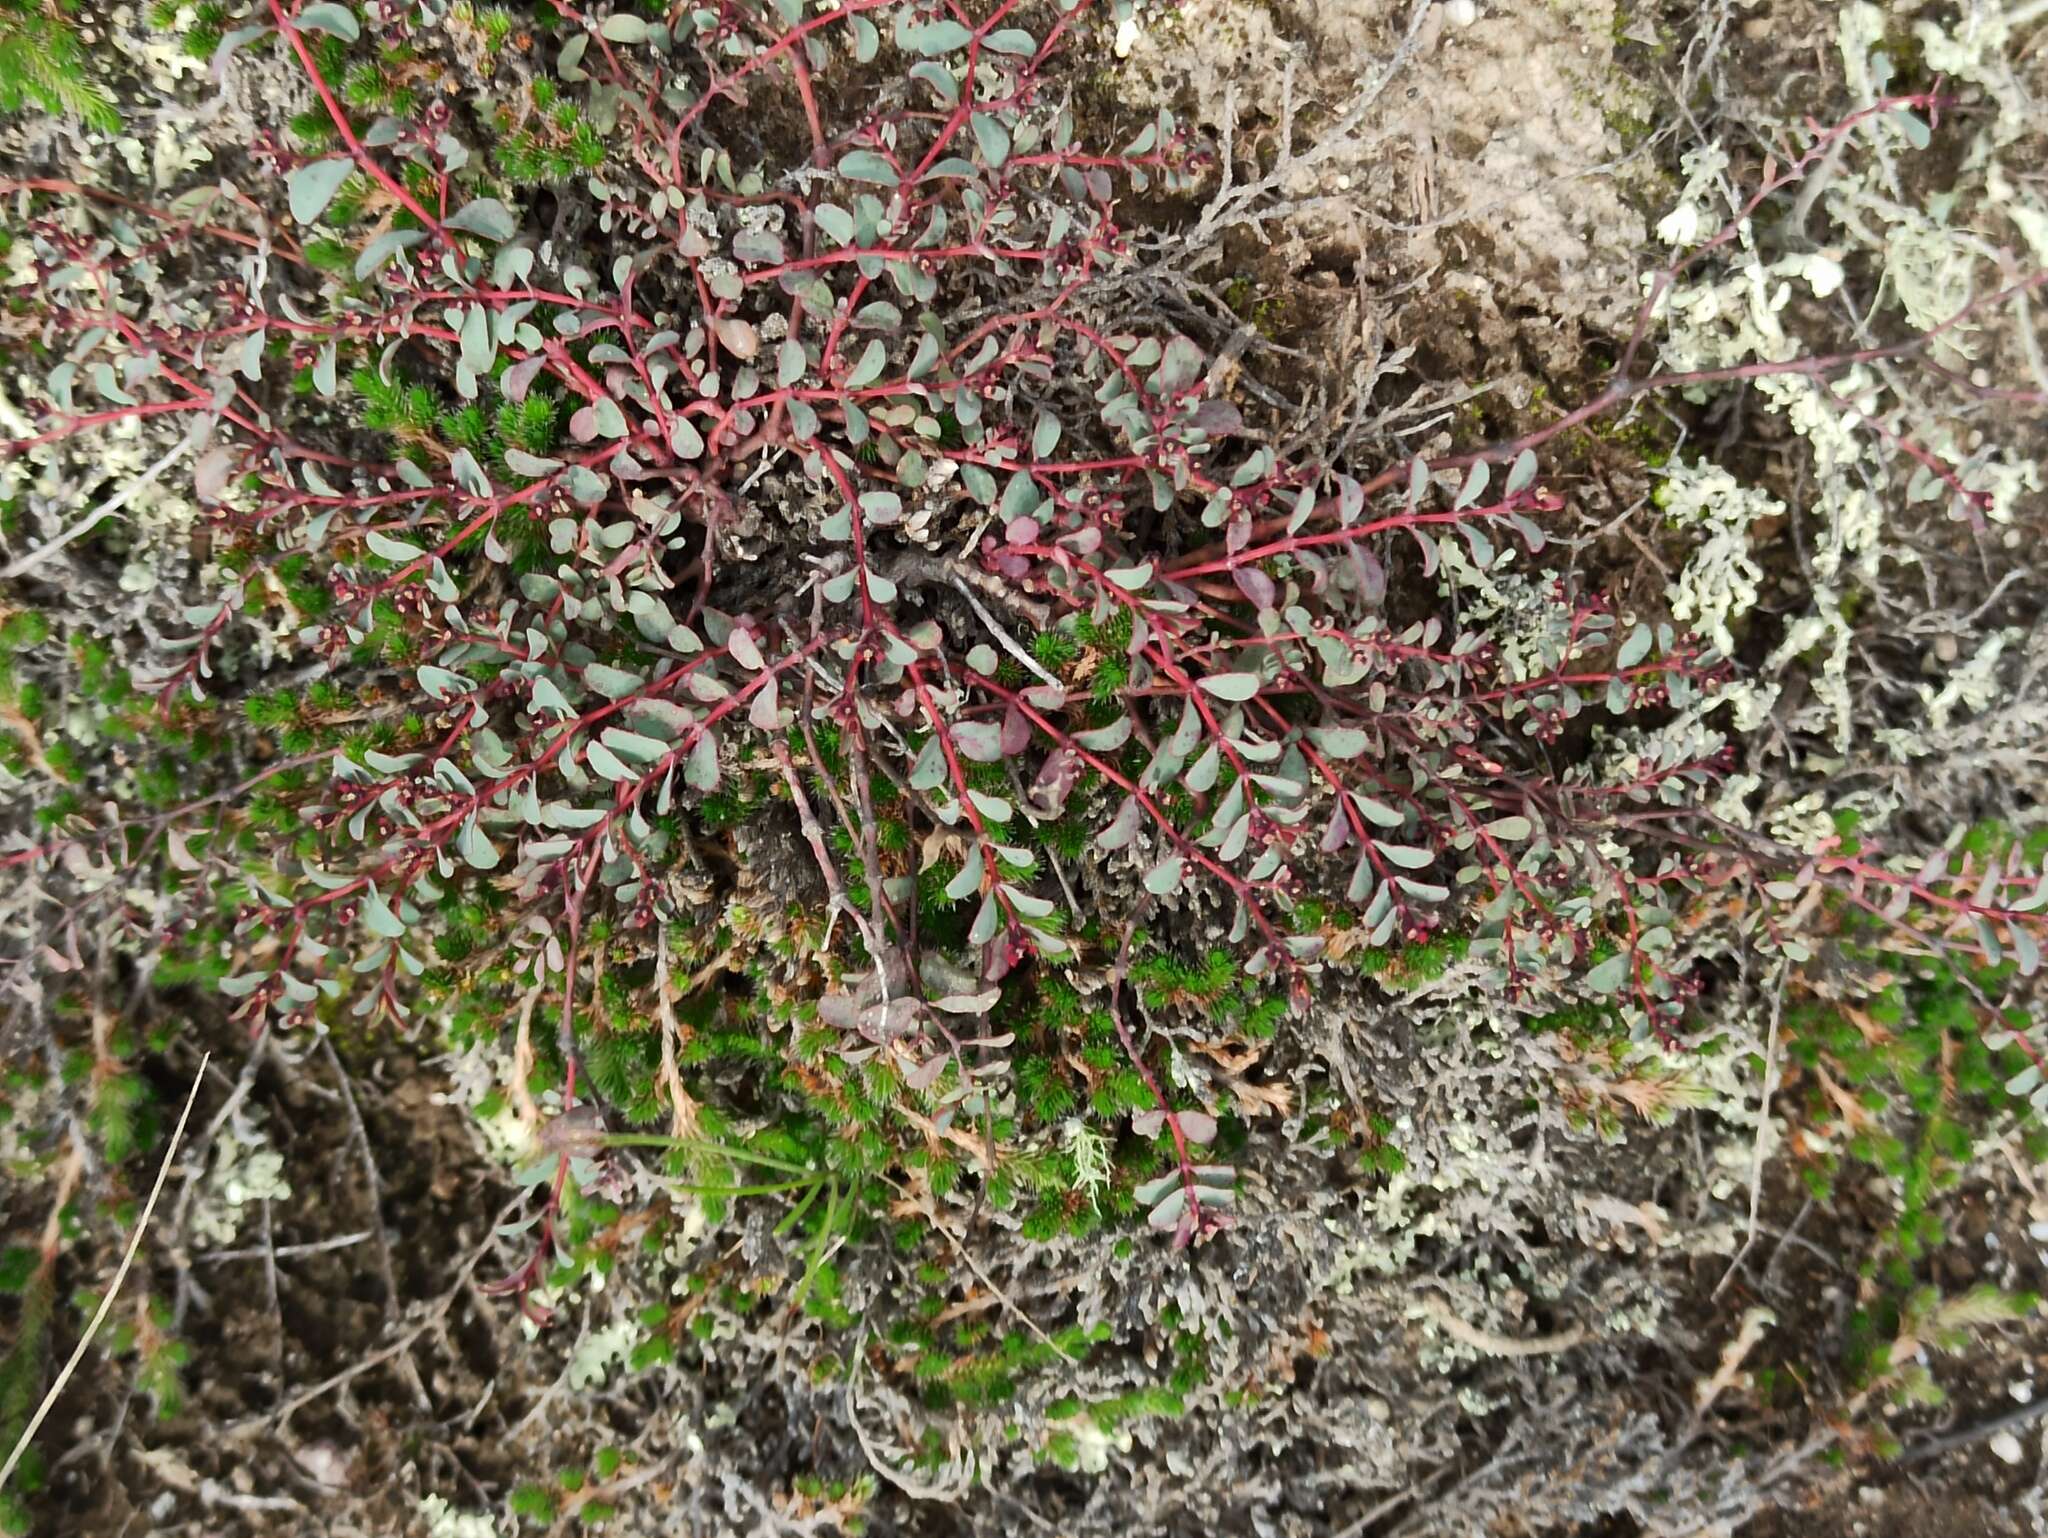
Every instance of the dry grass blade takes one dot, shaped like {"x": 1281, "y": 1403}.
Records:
{"x": 99, "y": 1317}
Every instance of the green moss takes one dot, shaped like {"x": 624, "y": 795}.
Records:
{"x": 43, "y": 66}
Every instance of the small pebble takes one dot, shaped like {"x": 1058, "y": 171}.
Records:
{"x": 1461, "y": 13}
{"x": 2005, "y": 1447}
{"x": 2021, "y": 1390}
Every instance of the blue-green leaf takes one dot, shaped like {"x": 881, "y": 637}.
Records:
{"x": 312, "y": 186}
{"x": 613, "y": 683}
{"x": 475, "y": 847}
{"x": 1609, "y": 976}
{"x": 1231, "y": 686}
{"x": 330, "y": 17}
{"x": 867, "y": 166}
{"x": 378, "y": 917}
{"x": 385, "y": 247}
{"x": 968, "y": 881}
{"x": 700, "y": 770}
{"x": 869, "y": 368}
{"x": 1165, "y": 876}
{"x": 396, "y": 551}
{"x": 932, "y": 38}
{"x": 1407, "y": 856}
{"x": 993, "y": 138}
{"x": 834, "y": 221}
{"x": 486, "y": 217}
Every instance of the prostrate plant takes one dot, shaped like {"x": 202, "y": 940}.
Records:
{"x": 780, "y": 565}
{"x": 1221, "y": 695}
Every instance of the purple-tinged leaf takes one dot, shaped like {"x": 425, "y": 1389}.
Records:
{"x": 1016, "y": 732}
{"x": 1256, "y": 586}
{"x": 743, "y": 649}
{"x": 890, "y": 1019}
{"x": 927, "y": 1073}
{"x": 1372, "y": 576}
{"x": 1055, "y": 782}
{"x": 1336, "y": 832}
{"x": 981, "y": 741}
{"x": 969, "y": 1003}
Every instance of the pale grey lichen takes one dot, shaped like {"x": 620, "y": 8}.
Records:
{"x": 600, "y": 1351}
{"x": 1868, "y": 434}
{"x": 246, "y": 1170}
{"x": 1719, "y": 583}
{"x": 1971, "y": 685}
{"x": 446, "y": 1521}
